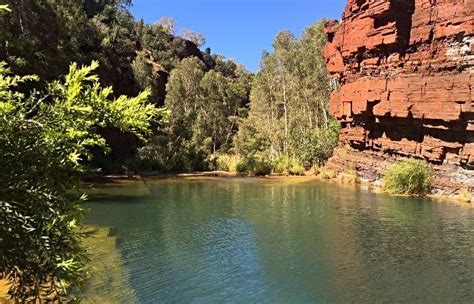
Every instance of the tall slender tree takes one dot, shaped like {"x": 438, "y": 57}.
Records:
{"x": 289, "y": 100}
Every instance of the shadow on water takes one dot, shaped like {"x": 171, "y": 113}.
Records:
{"x": 267, "y": 241}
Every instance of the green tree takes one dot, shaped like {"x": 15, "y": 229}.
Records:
{"x": 94, "y": 7}
{"x": 45, "y": 143}
{"x": 289, "y": 101}
{"x": 183, "y": 93}
{"x": 264, "y": 127}
{"x": 174, "y": 149}
{"x": 43, "y": 37}
{"x": 220, "y": 102}
{"x": 151, "y": 75}
{"x": 204, "y": 107}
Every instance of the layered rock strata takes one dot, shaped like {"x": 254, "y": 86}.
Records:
{"x": 405, "y": 75}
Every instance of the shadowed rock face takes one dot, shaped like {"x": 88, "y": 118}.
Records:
{"x": 405, "y": 73}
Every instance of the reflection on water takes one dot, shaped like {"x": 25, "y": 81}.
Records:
{"x": 108, "y": 278}
{"x": 254, "y": 240}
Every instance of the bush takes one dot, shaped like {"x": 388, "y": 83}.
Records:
{"x": 281, "y": 164}
{"x": 328, "y": 173}
{"x": 227, "y": 162}
{"x": 351, "y": 177}
{"x": 288, "y": 166}
{"x": 465, "y": 195}
{"x": 166, "y": 153}
{"x": 254, "y": 164}
{"x": 316, "y": 170}
{"x": 262, "y": 167}
{"x": 241, "y": 166}
{"x": 45, "y": 144}
{"x": 297, "y": 169}
{"x": 408, "y": 177}
{"x": 315, "y": 146}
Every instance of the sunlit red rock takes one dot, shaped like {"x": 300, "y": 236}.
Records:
{"x": 405, "y": 70}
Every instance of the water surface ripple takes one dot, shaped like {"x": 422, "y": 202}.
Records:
{"x": 274, "y": 241}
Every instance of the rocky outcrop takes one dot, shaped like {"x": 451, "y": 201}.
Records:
{"x": 405, "y": 76}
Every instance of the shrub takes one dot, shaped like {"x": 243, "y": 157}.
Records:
{"x": 165, "y": 153}
{"x": 233, "y": 164}
{"x": 351, "y": 177}
{"x": 408, "y": 177}
{"x": 281, "y": 164}
{"x": 262, "y": 167}
{"x": 254, "y": 164}
{"x": 315, "y": 146}
{"x": 296, "y": 169}
{"x": 328, "y": 173}
{"x": 227, "y": 162}
{"x": 241, "y": 166}
{"x": 465, "y": 195}
{"x": 316, "y": 170}
{"x": 288, "y": 166}
{"x": 45, "y": 144}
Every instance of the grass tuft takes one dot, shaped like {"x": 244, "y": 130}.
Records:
{"x": 465, "y": 195}
{"x": 407, "y": 177}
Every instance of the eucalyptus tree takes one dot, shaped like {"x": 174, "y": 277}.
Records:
{"x": 221, "y": 99}
{"x": 313, "y": 77}
{"x": 196, "y": 38}
{"x": 289, "y": 100}
{"x": 184, "y": 91}
{"x": 203, "y": 107}
{"x": 264, "y": 123}
{"x": 285, "y": 46}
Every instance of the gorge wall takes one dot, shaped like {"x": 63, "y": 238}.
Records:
{"x": 405, "y": 76}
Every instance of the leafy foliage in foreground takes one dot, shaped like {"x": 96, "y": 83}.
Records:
{"x": 4, "y": 9}
{"x": 407, "y": 177}
{"x": 45, "y": 142}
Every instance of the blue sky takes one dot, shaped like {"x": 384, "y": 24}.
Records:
{"x": 239, "y": 29}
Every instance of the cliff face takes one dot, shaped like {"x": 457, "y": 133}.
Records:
{"x": 405, "y": 73}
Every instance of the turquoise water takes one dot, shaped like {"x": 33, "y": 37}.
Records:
{"x": 279, "y": 241}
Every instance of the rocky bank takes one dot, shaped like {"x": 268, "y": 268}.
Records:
{"x": 404, "y": 71}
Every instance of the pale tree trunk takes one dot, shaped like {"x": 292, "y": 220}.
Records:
{"x": 308, "y": 109}
{"x": 286, "y": 116}
{"x": 19, "y": 4}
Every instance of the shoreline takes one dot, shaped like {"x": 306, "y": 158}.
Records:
{"x": 366, "y": 185}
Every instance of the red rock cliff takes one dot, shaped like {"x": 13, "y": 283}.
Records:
{"x": 405, "y": 72}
